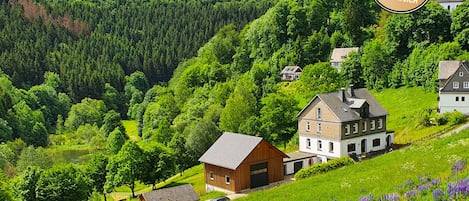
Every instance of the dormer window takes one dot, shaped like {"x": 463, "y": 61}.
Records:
{"x": 319, "y": 113}
{"x": 465, "y": 85}
{"x": 347, "y": 129}
{"x": 355, "y": 128}
{"x": 372, "y": 124}
{"x": 455, "y": 85}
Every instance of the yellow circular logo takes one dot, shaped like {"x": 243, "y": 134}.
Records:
{"x": 401, "y": 6}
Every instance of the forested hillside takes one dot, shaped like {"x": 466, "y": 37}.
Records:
{"x": 117, "y": 39}
{"x": 231, "y": 84}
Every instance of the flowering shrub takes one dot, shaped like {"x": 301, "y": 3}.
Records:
{"x": 323, "y": 167}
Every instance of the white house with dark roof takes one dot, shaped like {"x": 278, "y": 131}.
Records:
{"x": 453, "y": 79}
{"x": 291, "y": 73}
{"x": 449, "y": 4}
{"x": 236, "y": 162}
{"x": 345, "y": 123}
{"x": 339, "y": 55}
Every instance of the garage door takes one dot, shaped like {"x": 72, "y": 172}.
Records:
{"x": 259, "y": 175}
{"x": 297, "y": 166}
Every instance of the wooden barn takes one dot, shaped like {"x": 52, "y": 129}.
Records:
{"x": 236, "y": 162}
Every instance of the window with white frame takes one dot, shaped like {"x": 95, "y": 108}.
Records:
{"x": 308, "y": 143}
{"x": 461, "y": 74}
{"x": 308, "y": 126}
{"x": 347, "y": 129}
{"x": 463, "y": 98}
{"x": 465, "y": 85}
{"x": 319, "y": 145}
{"x": 455, "y": 85}
{"x": 372, "y": 124}
{"x": 319, "y": 128}
{"x": 211, "y": 175}
{"x": 319, "y": 115}
{"x": 380, "y": 123}
{"x": 364, "y": 125}
{"x": 355, "y": 128}
{"x": 331, "y": 147}
{"x": 227, "y": 179}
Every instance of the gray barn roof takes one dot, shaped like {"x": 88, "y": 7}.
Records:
{"x": 178, "y": 193}
{"x": 344, "y": 110}
{"x": 447, "y": 68}
{"x": 230, "y": 150}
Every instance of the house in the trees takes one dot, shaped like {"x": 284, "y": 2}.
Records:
{"x": 177, "y": 193}
{"x": 236, "y": 162}
{"x": 291, "y": 73}
{"x": 344, "y": 123}
{"x": 339, "y": 55}
{"x": 450, "y": 4}
{"x": 453, "y": 79}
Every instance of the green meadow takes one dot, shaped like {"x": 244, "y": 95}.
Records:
{"x": 382, "y": 175}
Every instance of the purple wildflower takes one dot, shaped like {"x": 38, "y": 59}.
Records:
{"x": 367, "y": 198}
{"x": 409, "y": 183}
{"x": 423, "y": 187}
{"x": 436, "y": 182}
{"x": 437, "y": 194}
{"x": 390, "y": 197}
{"x": 458, "y": 166}
{"x": 424, "y": 179}
{"x": 410, "y": 194}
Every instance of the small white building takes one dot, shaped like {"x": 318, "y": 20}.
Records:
{"x": 339, "y": 55}
{"x": 450, "y": 4}
{"x": 345, "y": 123}
{"x": 291, "y": 73}
{"x": 453, "y": 79}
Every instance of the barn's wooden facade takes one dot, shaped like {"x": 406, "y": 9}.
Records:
{"x": 261, "y": 165}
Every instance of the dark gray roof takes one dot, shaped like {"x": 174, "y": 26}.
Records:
{"x": 343, "y": 110}
{"x": 448, "y": 1}
{"x": 447, "y": 68}
{"x": 298, "y": 155}
{"x": 230, "y": 150}
{"x": 291, "y": 69}
{"x": 178, "y": 193}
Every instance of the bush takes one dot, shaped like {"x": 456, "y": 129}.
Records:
{"x": 455, "y": 117}
{"x": 323, "y": 167}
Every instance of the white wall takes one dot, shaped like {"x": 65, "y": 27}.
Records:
{"x": 291, "y": 168}
{"x": 452, "y": 5}
{"x": 448, "y": 103}
{"x": 341, "y": 148}
{"x": 325, "y": 147}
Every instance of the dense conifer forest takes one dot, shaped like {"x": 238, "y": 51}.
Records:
{"x": 71, "y": 71}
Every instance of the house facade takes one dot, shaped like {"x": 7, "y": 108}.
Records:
{"x": 236, "y": 162}
{"x": 449, "y": 4}
{"x": 345, "y": 123}
{"x": 339, "y": 55}
{"x": 453, "y": 79}
{"x": 291, "y": 73}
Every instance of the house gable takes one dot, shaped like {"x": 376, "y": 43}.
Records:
{"x": 458, "y": 82}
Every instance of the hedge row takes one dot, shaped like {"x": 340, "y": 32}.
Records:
{"x": 323, "y": 167}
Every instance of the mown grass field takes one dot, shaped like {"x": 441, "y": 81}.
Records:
{"x": 378, "y": 176}
{"x": 405, "y": 105}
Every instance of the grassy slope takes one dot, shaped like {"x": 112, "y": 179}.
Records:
{"x": 378, "y": 176}
{"x": 404, "y": 106}
{"x": 131, "y": 129}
